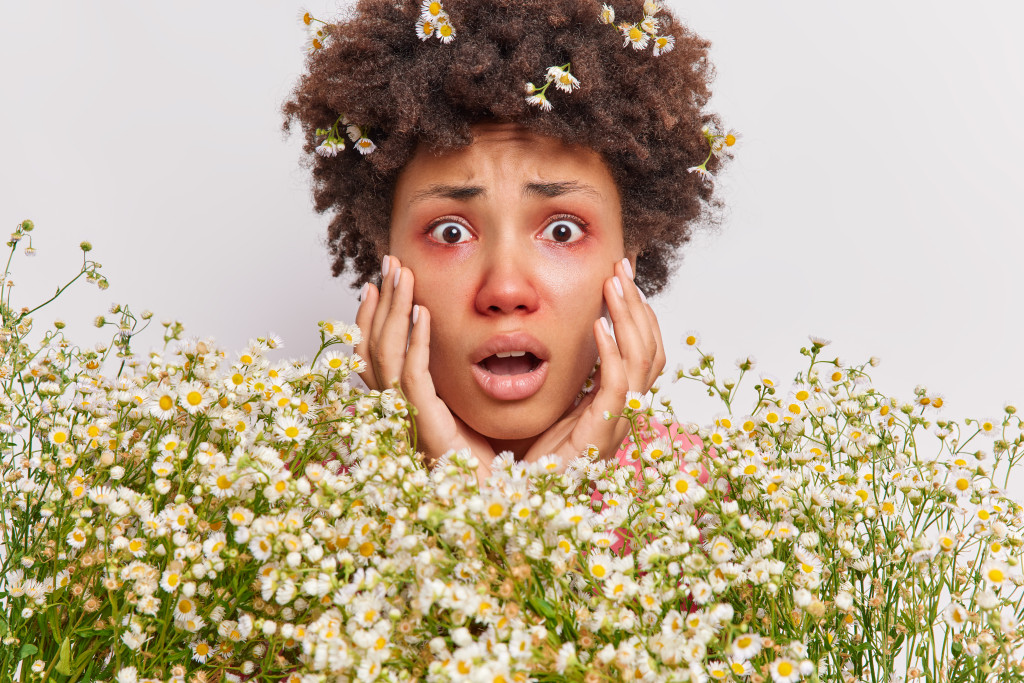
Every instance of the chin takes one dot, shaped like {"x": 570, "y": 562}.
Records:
{"x": 509, "y": 422}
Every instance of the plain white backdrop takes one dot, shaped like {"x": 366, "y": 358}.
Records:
{"x": 875, "y": 197}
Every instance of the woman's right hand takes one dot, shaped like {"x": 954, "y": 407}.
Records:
{"x": 398, "y": 357}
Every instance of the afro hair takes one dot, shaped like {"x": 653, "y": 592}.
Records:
{"x": 644, "y": 114}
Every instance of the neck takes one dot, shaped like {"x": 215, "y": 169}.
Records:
{"x": 519, "y": 447}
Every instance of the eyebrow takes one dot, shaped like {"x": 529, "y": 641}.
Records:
{"x": 466, "y": 192}
{"x": 557, "y": 189}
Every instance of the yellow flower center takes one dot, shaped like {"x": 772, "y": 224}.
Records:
{"x": 730, "y": 140}
{"x": 166, "y": 402}
{"x": 785, "y": 668}
{"x": 635, "y": 34}
{"x": 292, "y": 432}
{"x": 598, "y": 570}
{"x": 366, "y": 549}
{"x": 194, "y": 398}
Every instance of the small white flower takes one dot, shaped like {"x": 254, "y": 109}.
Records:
{"x": 330, "y": 148}
{"x": 703, "y": 172}
{"x": 539, "y": 100}
{"x": 607, "y": 14}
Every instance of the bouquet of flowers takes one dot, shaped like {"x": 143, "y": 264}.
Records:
{"x": 194, "y": 515}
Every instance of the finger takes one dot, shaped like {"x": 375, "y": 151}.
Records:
{"x": 637, "y": 304}
{"x": 609, "y": 395}
{"x": 629, "y": 338}
{"x": 659, "y": 357}
{"x": 369, "y": 297}
{"x": 393, "y": 338}
{"x": 383, "y": 306}
{"x": 417, "y": 383}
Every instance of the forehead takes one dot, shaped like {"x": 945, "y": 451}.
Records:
{"x": 503, "y": 152}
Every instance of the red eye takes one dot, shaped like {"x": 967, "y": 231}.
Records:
{"x": 564, "y": 230}
{"x": 450, "y": 232}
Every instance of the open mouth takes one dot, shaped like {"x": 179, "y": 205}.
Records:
{"x": 510, "y": 363}
{"x": 511, "y": 367}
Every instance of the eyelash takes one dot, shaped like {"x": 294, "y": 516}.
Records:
{"x": 443, "y": 220}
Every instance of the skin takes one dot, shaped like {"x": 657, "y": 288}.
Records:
{"x": 538, "y": 248}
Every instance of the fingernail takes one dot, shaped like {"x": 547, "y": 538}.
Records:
{"x": 628, "y": 268}
{"x": 363, "y": 291}
{"x": 618, "y": 285}
{"x": 415, "y": 313}
{"x": 398, "y": 274}
{"x": 385, "y": 266}
{"x": 607, "y": 327}
{"x": 642, "y": 295}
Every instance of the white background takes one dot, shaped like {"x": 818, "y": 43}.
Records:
{"x": 874, "y": 199}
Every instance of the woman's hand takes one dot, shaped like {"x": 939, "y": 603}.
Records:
{"x": 394, "y": 355}
{"x": 632, "y": 360}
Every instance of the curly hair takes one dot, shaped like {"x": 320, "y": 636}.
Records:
{"x": 643, "y": 114}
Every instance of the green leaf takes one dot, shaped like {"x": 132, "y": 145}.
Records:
{"x": 957, "y": 648}
{"x": 64, "y": 661}
{"x": 27, "y": 650}
{"x": 4, "y": 628}
{"x": 543, "y": 607}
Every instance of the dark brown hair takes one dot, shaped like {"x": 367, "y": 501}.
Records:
{"x": 642, "y": 113}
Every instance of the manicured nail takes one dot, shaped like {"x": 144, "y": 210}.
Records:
{"x": 385, "y": 266}
{"x": 363, "y": 291}
{"x": 398, "y": 275}
{"x": 415, "y": 313}
{"x": 642, "y": 295}
{"x": 628, "y": 268}
{"x": 618, "y": 285}
{"x": 607, "y": 327}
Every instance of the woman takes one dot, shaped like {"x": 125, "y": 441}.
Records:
{"x": 491, "y": 222}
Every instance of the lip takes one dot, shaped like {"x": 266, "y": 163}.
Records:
{"x": 511, "y": 387}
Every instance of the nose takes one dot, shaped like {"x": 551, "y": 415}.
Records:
{"x": 507, "y": 284}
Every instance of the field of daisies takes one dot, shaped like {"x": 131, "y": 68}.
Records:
{"x": 194, "y": 514}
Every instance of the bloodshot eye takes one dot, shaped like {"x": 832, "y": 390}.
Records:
{"x": 450, "y": 232}
{"x": 564, "y": 230}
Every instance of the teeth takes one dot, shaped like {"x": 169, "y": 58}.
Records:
{"x": 510, "y": 354}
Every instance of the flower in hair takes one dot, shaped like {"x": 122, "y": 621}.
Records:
{"x": 317, "y": 29}
{"x": 562, "y": 79}
{"x": 642, "y": 33}
{"x": 334, "y": 141}
{"x": 434, "y": 22}
{"x": 560, "y": 76}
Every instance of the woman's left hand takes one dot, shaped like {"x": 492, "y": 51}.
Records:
{"x": 632, "y": 360}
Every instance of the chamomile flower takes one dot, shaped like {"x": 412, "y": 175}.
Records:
{"x": 956, "y": 615}
{"x": 291, "y": 428}
{"x": 663, "y": 44}
{"x": 607, "y": 14}
{"x": 784, "y": 670}
{"x": 633, "y": 35}
{"x": 539, "y": 99}
{"x": 445, "y": 32}
{"x": 562, "y": 79}
{"x": 431, "y": 9}
{"x": 201, "y": 651}
{"x": 162, "y": 402}
{"x": 330, "y": 147}
{"x": 996, "y": 573}
{"x": 365, "y": 145}
{"x": 702, "y": 172}
{"x": 636, "y": 402}
{"x": 194, "y": 397}
{"x": 76, "y": 538}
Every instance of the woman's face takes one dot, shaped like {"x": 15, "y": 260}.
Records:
{"x": 510, "y": 241}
